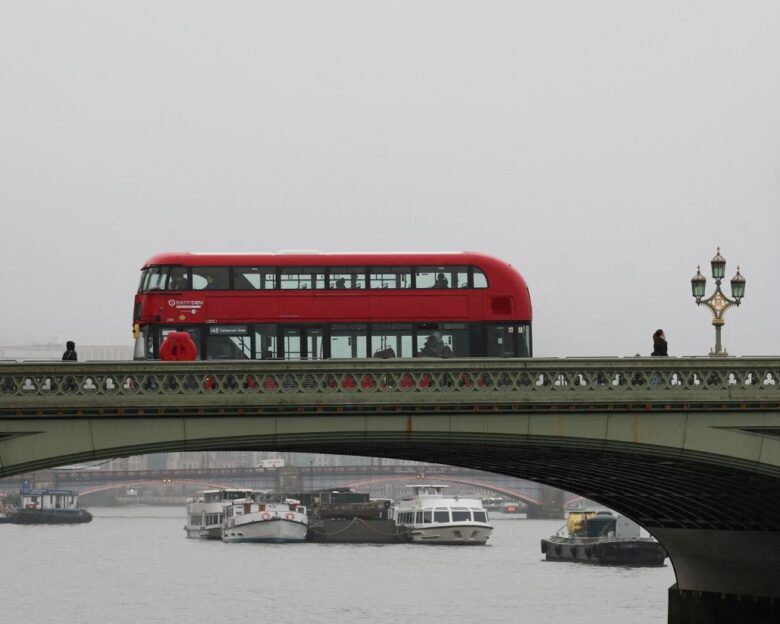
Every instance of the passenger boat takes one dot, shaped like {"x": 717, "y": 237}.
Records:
{"x": 602, "y": 538}
{"x": 205, "y": 511}
{"x": 262, "y": 517}
{"x": 48, "y": 506}
{"x": 431, "y": 517}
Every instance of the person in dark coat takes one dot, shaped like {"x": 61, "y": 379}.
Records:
{"x": 660, "y": 346}
{"x": 70, "y": 354}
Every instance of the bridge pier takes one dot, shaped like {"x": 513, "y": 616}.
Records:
{"x": 694, "y": 607}
{"x": 723, "y": 577}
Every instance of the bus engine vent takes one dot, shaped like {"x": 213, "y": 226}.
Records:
{"x": 501, "y": 305}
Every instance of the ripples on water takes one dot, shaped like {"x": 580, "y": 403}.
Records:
{"x": 134, "y": 565}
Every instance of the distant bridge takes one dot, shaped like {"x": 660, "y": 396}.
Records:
{"x": 688, "y": 447}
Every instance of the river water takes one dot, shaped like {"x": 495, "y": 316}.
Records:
{"x": 134, "y": 565}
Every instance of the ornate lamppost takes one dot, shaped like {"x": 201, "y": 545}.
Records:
{"x": 718, "y": 303}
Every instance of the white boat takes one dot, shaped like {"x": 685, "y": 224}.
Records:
{"x": 205, "y": 510}
{"x": 264, "y": 518}
{"x": 431, "y": 517}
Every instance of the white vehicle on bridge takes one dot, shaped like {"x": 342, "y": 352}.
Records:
{"x": 430, "y": 517}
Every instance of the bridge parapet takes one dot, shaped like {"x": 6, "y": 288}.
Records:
{"x": 545, "y": 382}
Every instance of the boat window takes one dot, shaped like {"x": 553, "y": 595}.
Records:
{"x": 348, "y": 341}
{"x": 349, "y": 278}
{"x": 300, "y": 278}
{"x": 441, "y": 515}
{"x": 254, "y": 278}
{"x": 461, "y": 515}
{"x": 480, "y": 516}
{"x": 210, "y": 278}
{"x": 418, "y": 517}
{"x": 428, "y": 516}
{"x": 391, "y": 277}
{"x": 480, "y": 280}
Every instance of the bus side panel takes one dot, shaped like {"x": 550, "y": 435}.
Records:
{"x": 396, "y": 306}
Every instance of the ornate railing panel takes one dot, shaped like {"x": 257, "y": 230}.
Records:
{"x": 475, "y": 381}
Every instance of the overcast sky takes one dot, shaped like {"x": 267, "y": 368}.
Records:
{"x": 603, "y": 147}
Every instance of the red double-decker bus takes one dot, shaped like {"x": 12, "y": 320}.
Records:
{"x": 292, "y": 306}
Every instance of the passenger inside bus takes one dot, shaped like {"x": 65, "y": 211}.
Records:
{"x": 441, "y": 281}
{"x": 435, "y": 347}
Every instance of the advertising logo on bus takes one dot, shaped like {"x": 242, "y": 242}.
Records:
{"x": 187, "y": 305}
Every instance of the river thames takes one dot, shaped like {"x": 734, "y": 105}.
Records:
{"x": 133, "y": 564}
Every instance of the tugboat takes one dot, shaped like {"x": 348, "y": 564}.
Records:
{"x": 602, "y": 538}
{"x": 47, "y": 506}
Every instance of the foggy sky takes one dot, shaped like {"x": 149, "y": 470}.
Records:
{"x": 604, "y": 148}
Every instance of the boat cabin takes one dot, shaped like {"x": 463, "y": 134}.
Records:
{"x": 46, "y": 499}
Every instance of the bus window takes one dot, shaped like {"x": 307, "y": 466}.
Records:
{"x": 228, "y": 342}
{"x": 157, "y": 277}
{"x": 265, "y": 342}
{"x": 144, "y": 280}
{"x": 442, "y": 277}
{"x": 348, "y": 341}
{"x": 480, "y": 279}
{"x": 443, "y": 340}
{"x": 523, "y": 340}
{"x": 315, "y": 343}
{"x": 291, "y": 337}
{"x": 347, "y": 277}
{"x": 210, "y": 278}
{"x": 391, "y": 277}
{"x": 389, "y": 340}
{"x": 254, "y": 278}
{"x": 297, "y": 278}
{"x": 178, "y": 279}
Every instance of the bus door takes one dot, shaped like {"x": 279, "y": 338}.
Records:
{"x": 301, "y": 342}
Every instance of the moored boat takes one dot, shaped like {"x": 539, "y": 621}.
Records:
{"x": 602, "y": 538}
{"x": 48, "y": 506}
{"x": 339, "y": 515}
{"x": 205, "y": 510}
{"x": 431, "y": 517}
{"x": 262, "y": 517}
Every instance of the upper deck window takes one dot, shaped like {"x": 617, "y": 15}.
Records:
{"x": 442, "y": 277}
{"x": 391, "y": 277}
{"x": 299, "y": 278}
{"x": 210, "y": 278}
{"x": 480, "y": 279}
{"x": 350, "y": 278}
{"x": 249, "y": 278}
{"x": 254, "y": 278}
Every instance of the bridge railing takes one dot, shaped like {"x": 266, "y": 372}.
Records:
{"x": 580, "y": 380}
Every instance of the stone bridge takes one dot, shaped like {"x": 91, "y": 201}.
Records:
{"x": 687, "y": 447}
